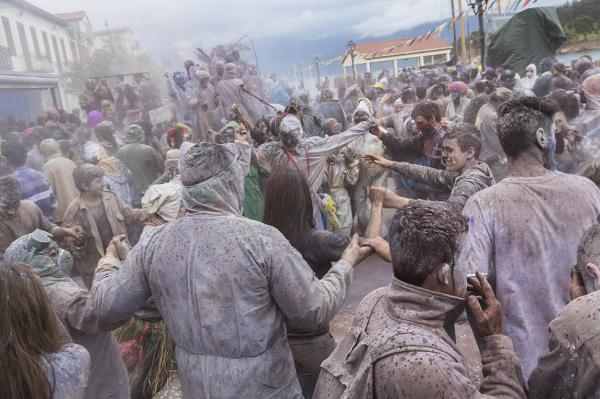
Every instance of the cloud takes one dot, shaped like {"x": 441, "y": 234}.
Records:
{"x": 180, "y": 25}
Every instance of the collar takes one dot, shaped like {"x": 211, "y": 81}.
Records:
{"x": 418, "y": 305}
{"x": 82, "y": 204}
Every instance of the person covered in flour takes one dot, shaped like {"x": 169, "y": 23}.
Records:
{"x": 369, "y": 174}
{"x": 307, "y": 155}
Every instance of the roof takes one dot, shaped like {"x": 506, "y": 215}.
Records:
{"x": 71, "y": 16}
{"x": 393, "y": 47}
{"x": 38, "y": 11}
{"x": 112, "y": 31}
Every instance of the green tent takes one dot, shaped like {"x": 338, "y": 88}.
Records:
{"x": 526, "y": 38}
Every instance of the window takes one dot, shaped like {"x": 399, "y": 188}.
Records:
{"x": 47, "y": 46}
{"x": 24, "y": 46}
{"x": 57, "y": 54}
{"x": 10, "y": 42}
{"x": 36, "y": 43}
{"x": 74, "y": 51}
{"x": 64, "y": 50}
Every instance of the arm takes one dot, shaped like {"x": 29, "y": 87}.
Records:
{"x": 306, "y": 301}
{"x": 377, "y": 196}
{"x": 436, "y": 178}
{"x": 401, "y": 148}
{"x": 121, "y": 288}
{"x": 131, "y": 215}
{"x": 323, "y": 147}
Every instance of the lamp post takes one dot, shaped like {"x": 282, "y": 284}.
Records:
{"x": 478, "y": 7}
{"x": 351, "y": 47}
{"x": 317, "y": 61}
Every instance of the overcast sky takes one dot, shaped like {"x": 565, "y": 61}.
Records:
{"x": 187, "y": 23}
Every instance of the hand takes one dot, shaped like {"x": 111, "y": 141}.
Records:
{"x": 380, "y": 246}
{"x": 386, "y": 98}
{"x": 489, "y": 320}
{"x": 118, "y": 247}
{"x": 375, "y": 131}
{"x": 377, "y": 195}
{"x": 445, "y": 122}
{"x": 75, "y": 232}
{"x": 354, "y": 254}
{"x": 381, "y": 161}
{"x": 577, "y": 287}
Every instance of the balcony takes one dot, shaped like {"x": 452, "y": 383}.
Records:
{"x": 5, "y": 59}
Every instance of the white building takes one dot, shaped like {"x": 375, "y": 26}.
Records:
{"x": 395, "y": 54}
{"x": 121, "y": 37}
{"x": 36, "y": 47}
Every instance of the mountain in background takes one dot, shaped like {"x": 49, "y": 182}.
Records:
{"x": 279, "y": 54}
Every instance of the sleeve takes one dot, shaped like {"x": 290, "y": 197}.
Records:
{"x": 419, "y": 374}
{"x": 131, "y": 215}
{"x": 120, "y": 288}
{"x": 463, "y": 189}
{"x": 502, "y": 374}
{"x": 320, "y": 147}
{"x": 330, "y": 246}
{"x": 400, "y": 148}
{"x": 264, "y": 155}
{"x": 480, "y": 240}
{"x": 80, "y": 314}
{"x": 436, "y": 178}
{"x": 306, "y": 301}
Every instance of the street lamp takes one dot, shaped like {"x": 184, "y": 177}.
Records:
{"x": 478, "y": 7}
{"x": 351, "y": 47}
{"x": 317, "y": 61}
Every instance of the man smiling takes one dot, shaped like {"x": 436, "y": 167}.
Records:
{"x": 464, "y": 174}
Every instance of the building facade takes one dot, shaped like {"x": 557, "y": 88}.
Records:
{"x": 396, "y": 54}
{"x": 36, "y": 48}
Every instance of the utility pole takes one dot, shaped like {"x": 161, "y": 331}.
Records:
{"x": 463, "y": 44}
{"x": 317, "y": 61}
{"x": 454, "y": 29}
{"x": 499, "y": 7}
{"x": 351, "y": 47}
{"x": 478, "y": 7}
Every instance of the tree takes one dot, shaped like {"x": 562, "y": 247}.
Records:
{"x": 583, "y": 25}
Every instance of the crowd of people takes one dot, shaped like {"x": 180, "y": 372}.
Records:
{"x": 206, "y": 255}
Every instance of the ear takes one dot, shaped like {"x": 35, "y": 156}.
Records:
{"x": 444, "y": 274}
{"x": 471, "y": 153}
{"x": 541, "y": 139}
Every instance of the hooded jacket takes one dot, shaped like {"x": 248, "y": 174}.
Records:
{"x": 461, "y": 186}
{"x": 226, "y": 287}
{"x": 399, "y": 346}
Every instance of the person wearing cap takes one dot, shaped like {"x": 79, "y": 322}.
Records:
{"x": 223, "y": 284}
{"x": 458, "y": 103}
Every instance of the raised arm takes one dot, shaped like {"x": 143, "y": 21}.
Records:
{"x": 436, "y": 178}
{"x": 120, "y": 288}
